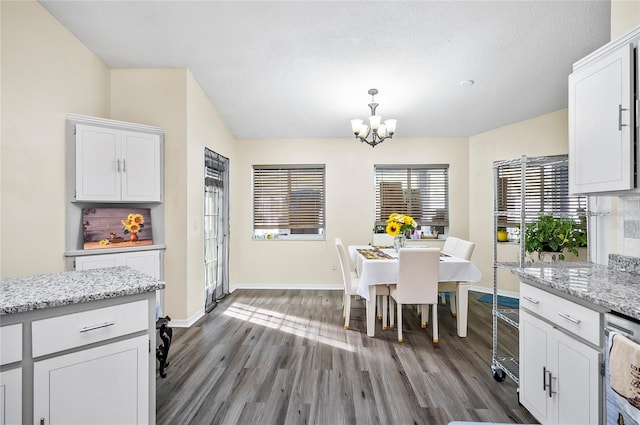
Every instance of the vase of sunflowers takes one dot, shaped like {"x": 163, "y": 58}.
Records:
{"x": 132, "y": 225}
{"x": 399, "y": 226}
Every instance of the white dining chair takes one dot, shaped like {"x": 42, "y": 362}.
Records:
{"x": 458, "y": 248}
{"x": 417, "y": 284}
{"x": 350, "y": 281}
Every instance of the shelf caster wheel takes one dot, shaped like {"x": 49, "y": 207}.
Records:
{"x": 498, "y": 374}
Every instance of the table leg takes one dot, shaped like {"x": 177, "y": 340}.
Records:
{"x": 371, "y": 311}
{"x": 462, "y": 301}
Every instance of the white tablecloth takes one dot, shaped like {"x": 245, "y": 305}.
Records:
{"x": 374, "y": 272}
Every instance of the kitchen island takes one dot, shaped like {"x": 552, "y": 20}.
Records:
{"x": 75, "y": 347}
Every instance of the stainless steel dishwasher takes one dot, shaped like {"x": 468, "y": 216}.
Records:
{"x": 622, "y": 409}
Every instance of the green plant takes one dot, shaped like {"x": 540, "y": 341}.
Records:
{"x": 553, "y": 234}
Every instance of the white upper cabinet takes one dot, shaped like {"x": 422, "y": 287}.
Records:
{"x": 114, "y": 165}
{"x": 602, "y": 128}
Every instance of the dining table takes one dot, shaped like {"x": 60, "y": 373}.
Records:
{"x": 379, "y": 265}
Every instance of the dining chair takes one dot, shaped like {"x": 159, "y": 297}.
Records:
{"x": 458, "y": 248}
{"x": 417, "y": 284}
{"x": 350, "y": 281}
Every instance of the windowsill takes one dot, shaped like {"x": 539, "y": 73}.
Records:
{"x": 291, "y": 238}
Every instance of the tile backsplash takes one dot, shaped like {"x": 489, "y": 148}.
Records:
{"x": 630, "y": 225}
{"x": 624, "y": 263}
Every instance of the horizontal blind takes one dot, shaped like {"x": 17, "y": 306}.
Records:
{"x": 288, "y": 197}
{"x": 421, "y": 191}
{"x": 547, "y": 190}
{"x": 214, "y": 168}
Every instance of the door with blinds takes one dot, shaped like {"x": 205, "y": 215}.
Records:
{"x": 216, "y": 228}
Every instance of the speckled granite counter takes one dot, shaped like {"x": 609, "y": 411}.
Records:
{"x": 28, "y": 293}
{"x": 615, "y": 287}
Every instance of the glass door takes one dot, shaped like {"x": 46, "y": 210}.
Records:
{"x": 216, "y": 228}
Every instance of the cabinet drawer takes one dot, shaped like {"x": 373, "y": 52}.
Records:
{"x": 78, "y": 329}
{"x": 566, "y": 314}
{"x": 10, "y": 344}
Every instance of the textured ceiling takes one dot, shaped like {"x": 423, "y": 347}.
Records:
{"x": 301, "y": 69}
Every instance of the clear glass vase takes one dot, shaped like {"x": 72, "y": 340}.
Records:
{"x": 399, "y": 241}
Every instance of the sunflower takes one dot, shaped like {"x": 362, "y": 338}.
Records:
{"x": 134, "y": 228}
{"x": 393, "y": 229}
{"x": 138, "y": 219}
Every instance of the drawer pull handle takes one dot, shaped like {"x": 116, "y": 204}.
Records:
{"x": 531, "y": 300}
{"x": 94, "y": 327}
{"x": 569, "y": 318}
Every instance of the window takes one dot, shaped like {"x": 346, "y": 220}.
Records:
{"x": 547, "y": 190}
{"x": 421, "y": 191}
{"x": 288, "y": 201}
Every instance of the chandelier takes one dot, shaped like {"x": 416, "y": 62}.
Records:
{"x": 378, "y": 132}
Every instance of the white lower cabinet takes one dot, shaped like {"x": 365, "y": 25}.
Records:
{"x": 109, "y": 382}
{"x": 11, "y": 397}
{"x": 560, "y": 381}
{"x": 144, "y": 261}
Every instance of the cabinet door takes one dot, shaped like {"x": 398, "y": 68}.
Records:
{"x": 97, "y": 164}
{"x": 141, "y": 165}
{"x": 534, "y": 335}
{"x": 97, "y": 261}
{"x": 11, "y": 397}
{"x": 578, "y": 383}
{"x": 107, "y": 384}
{"x": 144, "y": 261}
{"x": 602, "y": 124}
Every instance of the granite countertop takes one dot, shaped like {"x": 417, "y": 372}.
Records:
{"x": 28, "y": 293}
{"x": 615, "y": 287}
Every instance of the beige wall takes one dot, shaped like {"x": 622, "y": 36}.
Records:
{"x": 544, "y": 135}
{"x": 46, "y": 73}
{"x": 349, "y": 203}
{"x": 172, "y": 99}
{"x": 625, "y": 14}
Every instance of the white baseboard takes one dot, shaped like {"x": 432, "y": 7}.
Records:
{"x": 187, "y": 323}
{"x": 309, "y": 286}
{"x": 502, "y": 292}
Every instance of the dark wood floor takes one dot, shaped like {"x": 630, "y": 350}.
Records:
{"x": 282, "y": 357}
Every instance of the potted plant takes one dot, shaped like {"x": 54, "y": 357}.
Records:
{"x": 554, "y": 235}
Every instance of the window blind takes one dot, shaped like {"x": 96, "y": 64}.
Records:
{"x": 289, "y": 197}
{"x": 547, "y": 190}
{"x": 421, "y": 191}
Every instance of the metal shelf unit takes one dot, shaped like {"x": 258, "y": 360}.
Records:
{"x": 503, "y": 366}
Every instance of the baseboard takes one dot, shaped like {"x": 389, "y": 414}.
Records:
{"x": 308, "y": 286}
{"x": 502, "y": 292}
{"x": 187, "y": 323}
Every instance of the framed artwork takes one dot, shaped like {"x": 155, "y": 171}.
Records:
{"x": 116, "y": 227}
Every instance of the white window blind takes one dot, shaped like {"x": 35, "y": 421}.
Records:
{"x": 547, "y": 190}
{"x": 421, "y": 191}
{"x": 289, "y": 197}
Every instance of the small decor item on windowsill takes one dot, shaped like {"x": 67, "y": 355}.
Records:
{"x": 399, "y": 226}
{"x": 502, "y": 234}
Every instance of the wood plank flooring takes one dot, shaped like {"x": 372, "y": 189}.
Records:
{"x": 282, "y": 357}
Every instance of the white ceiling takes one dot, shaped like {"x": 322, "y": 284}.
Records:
{"x": 301, "y": 69}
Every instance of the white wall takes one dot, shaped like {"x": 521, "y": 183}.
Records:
{"x": 349, "y": 204}
{"x": 46, "y": 73}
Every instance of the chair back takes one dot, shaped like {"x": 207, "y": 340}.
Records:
{"x": 343, "y": 258}
{"x": 418, "y": 275}
{"x": 382, "y": 239}
{"x": 458, "y": 247}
